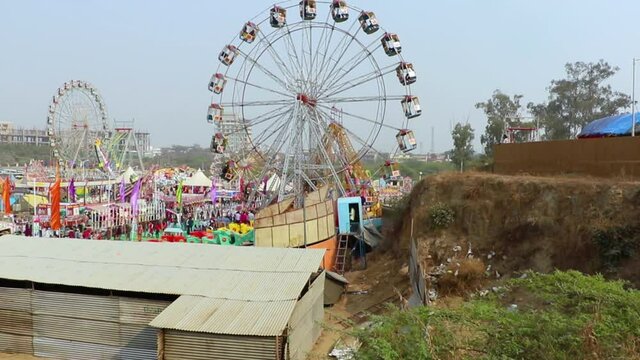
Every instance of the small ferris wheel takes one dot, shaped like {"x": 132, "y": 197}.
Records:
{"x": 77, "y": 117}
{"x": 289, "y": 72}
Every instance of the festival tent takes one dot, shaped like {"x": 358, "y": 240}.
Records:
{"x": 616, "y": 125}
{"x": 199, "y": 179}
{"x": 35, "y": 200}
{"x": 128, "y": 175}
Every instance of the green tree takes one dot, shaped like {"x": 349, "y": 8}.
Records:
{"x": 501, "y": 111}
{"x": 462, "y": 148}
{"x": 583, "y": 96}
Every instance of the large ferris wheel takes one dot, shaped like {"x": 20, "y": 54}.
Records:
{"x": 77, "y": 118}
{"x": 303, "y": 82}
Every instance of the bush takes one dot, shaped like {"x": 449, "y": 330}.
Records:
{"x": 564, "y": 315}
{"x": 616, "y": 244}
{"x": 441, "y": 216}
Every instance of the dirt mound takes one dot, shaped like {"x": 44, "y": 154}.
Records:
{"x": 517, "y": 223}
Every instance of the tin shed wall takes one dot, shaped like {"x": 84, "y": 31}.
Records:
{"x": 182, "y": 345}
{"x": 16, "y": 322}
{"x": 305, "y": 324}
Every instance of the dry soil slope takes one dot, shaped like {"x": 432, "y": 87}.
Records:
{"x": 538, "y": 223}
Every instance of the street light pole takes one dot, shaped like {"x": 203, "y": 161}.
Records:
{"x": 633, "y": 99}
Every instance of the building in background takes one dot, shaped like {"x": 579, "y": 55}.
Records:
{"x": 238, "y": 137}
{"x": 10, "y": 134}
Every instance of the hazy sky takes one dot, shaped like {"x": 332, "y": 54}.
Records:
{"x": 152, "y": 59}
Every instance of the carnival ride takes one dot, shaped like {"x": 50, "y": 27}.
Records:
{"x": 284, "y": 76}
{"x": 116, "y": 150}
{"x": 77, "y": 117}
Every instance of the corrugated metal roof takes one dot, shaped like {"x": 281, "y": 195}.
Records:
{"x": 231, "y": 273}
{"x": 218, "y": 316}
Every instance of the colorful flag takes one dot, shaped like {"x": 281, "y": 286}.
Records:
{"x": 6, "y": 195}
{"x": 72, "y": 191}
{"x": 122, "y": 191}
{"x": 134, "y": 198}
{"x": 179, "y": 194}
{"x": 214, "y": 192}
{"x": 55, "y": 204}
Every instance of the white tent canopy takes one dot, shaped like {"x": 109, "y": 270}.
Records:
{"x": 198, "y": 179}
{"x": 127, "y": 175}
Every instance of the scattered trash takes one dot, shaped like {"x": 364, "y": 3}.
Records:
{"x": 491, "y": 255}
{"x": 433, "y": 295}
{"x": 358, "y": 292}
{"x": 483, "y": 293}
{"x": 524, "y": 276}
{"x": 344, "y": 351}
{"x": 457, "y": 248}
{"x": 498, "y": 275}
{"x": 513, "y": 308}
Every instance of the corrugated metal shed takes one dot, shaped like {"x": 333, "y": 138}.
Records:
{"x": 217, "y": 316}
{"x": 232, "y": 273}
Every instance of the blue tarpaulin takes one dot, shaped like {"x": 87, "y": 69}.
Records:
{"x": 616, "y": 125}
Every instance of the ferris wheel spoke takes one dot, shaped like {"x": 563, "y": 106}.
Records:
{"x": 259, "y": 103}
{"x": 326, "y": 60}
{"x": 360, "y": 99}
{"x": 378, "y": 123}
{"x": 261, "y": 119}
{"x": 324, "y": 141}
{"x": 263, "y": 69}
{"x": 291, "y": 50}
{"x": 319, "y": 45}
{"x": 347, "y": 40}
{"x": 364, "y": 54}
{"x": 275, "y": 128}
{"x": 276, "y": 58}
{"x": 360, "y": 80}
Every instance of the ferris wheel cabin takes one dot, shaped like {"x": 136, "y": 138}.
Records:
{"x": 392, "y": 169}
{"x": 308, "y": 9}
{"x": 406, "y": 140}
{"x": 339, "y": 11}
{"x": 368, "y": 22}
{"x": 249, "y": 32}
{"x": 411, "y": 107}
{"x": 406, "y": 74}
{"x": 391, "y": 44}
{"x": 217, "y": 83}
{"x": 229, "y": 170}
{"x": 215, "y": 113}
{"x": 278, "y": 18}
{"x": 218, "y": 143}
{"x": 228, "y": 55}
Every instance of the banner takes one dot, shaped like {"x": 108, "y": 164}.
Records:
{"x": 6, "y": 195}
{"x": 122, "y": 191}
{"x": 72, "y": 191}
{"x": 55, "y": 204}
{"x": 134, "y": 198}
{"x": 179, "y": 194}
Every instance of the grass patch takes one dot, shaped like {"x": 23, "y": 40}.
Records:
{"x": 564, "y": 315}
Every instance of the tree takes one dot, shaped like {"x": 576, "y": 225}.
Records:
{"x": 462, "y": 148}
{"x": 501, "y": 111}
{"x": 579, "y": 99}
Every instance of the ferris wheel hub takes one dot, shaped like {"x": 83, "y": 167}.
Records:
{"x": 307, "y": 100}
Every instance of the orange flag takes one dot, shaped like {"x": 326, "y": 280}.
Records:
{"x": 6, "y": 196}
{"x": 55, "y": 204}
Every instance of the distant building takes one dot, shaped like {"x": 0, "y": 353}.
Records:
{"x": 9, "y": 134}
{"x": 233, "y": 128}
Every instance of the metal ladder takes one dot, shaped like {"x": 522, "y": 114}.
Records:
{"x": 341, "y": 254}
